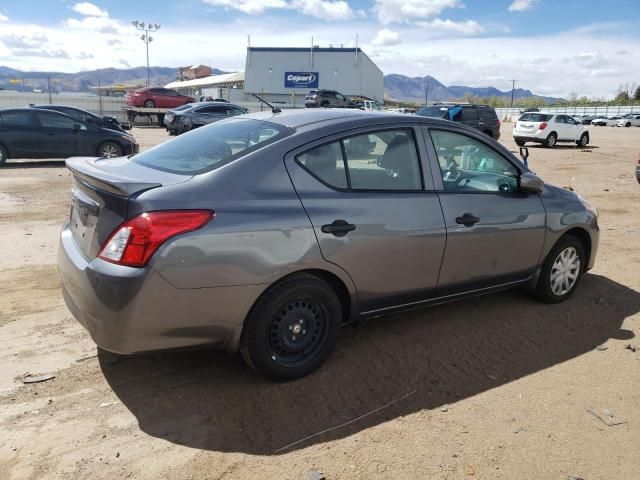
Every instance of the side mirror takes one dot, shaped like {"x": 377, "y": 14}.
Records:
{"x": 530, "y": 183}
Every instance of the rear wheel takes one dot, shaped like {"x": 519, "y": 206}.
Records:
{"x": 149, "y": 104}
{"x": 292, "y": 328}
{"x": 584, "y": 140}
{"x": 561, "y": 271}
{"x": 109, "y": 150}
{"x": 4, "y": 155}
{"x": 551, "y": 140}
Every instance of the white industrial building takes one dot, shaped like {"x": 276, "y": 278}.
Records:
{"x": 284, "y": 76}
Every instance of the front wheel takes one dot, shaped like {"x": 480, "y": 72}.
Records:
{"x": 584, "y": 140}
{"x": 628, "y": 124}
{"x": 561, "y": 271}
{"x": 292, "y": 328}
{"x": 4, "y": 155}
{"x": 109, "y": 150}
{"x": 551, "y": 140}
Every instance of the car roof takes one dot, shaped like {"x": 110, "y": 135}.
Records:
{"x": 301, "y": 117}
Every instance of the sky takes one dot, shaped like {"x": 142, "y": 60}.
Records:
{"x": 552, "y": 47}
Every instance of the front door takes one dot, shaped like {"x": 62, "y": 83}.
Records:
{"x": 495, "y": 234}
{"x": 60, "y": 134}
{"x": 372, "y": 216}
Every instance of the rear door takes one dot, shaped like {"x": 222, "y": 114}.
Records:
{"x": 562, "y": 127}
{"x": 20, "y": 134}
{"x": 573, "y": 128}
{"x": 470, "y": 117}
{"x": 372, "y": 215}
{"x": 495, "y": 234}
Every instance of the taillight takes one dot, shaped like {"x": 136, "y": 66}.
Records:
{"x": 543, "y": 125}
{"x": 136, "y": 240}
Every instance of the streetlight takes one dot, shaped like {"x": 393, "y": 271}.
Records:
{"x": 146, "y": 38}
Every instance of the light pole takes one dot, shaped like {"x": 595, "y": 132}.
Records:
{"x": 513, "y": 89}
{"x": 146, "y": 38}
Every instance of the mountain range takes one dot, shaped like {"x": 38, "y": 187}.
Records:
{"x": 396, "y": 86}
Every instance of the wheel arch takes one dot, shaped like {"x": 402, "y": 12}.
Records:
{"x": 4, "y": 145}
{"x": 585, "y": 239}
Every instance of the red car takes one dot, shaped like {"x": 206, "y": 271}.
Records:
{"x": 157, "y": 97}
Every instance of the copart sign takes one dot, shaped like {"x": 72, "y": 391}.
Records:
{"x": 301, "y": 79}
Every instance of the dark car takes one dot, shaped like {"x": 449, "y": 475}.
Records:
{"x": 157, "y": 97}
{"x": 266, "y": 232}
{"x": 38, "y": 133}
{"x": 482, "y": 117}
{"x": 84, "y": 116}
{"x": 202, "y": 113}
{"x": 325, "y": 98}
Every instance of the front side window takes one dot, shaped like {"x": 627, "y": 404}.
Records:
{"x": 561, "y": 119}
{"x": 51, "y": 120}
{"x": 386, "y": 160}
{"x": 468, "y": 165}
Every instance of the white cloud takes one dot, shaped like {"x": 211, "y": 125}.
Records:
{"x": 324, "y": 9}
{"x": 468, "y": 27}
{"x": 250, "y": 7}
{"x": 96, "y": 24}
{"x": 3, "y": 18}
{"x": 522, "y": 5}
{"x": 89, "y": 10}
{"x": 386, "y": 37}
{"x": 397, "y": 11}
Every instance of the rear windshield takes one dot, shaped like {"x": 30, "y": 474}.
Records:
{"x": 535, "y": 117}
{"x": 210, "y": 147}
{"x": 185, "y": 107}
{"x": 435, "y": 112}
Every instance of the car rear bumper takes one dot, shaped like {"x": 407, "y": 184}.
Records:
{"x": 528, "y": 138}
{"x": 130, "y": 310}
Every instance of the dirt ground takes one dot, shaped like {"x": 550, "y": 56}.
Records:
{"x": 496, "y": 387}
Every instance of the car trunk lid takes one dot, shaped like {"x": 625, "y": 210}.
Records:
{"x": 100, "y": 194}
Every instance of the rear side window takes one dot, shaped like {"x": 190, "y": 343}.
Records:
{"x": 17, "y": 119}
{"x": 212, "y": 109}
{"x": 51, "y": 120}
{"x": 535, "y": 117}
{"x": 469, "y": 113}
{"x": 386, "y": 160}
{"x": 487, "y": 112}
{"x": 211, "y": 147}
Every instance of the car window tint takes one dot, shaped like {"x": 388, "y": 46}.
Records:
{"x": 211, "y": 147}
{"x": 51, "y": 120}
{"x": 468, "y": 165}
{"x": 326, "y": 163}
{"x": 385, "y": 160}
{"x": 535, "y": 117}
{"x": 469, "y": 113}
{"x": 233, "y": 111}
{"x": 561, "y": 119}
{"x": 486, "y": 112}
{"x": 212, "y": 109}
{"x": 16, "y": 118}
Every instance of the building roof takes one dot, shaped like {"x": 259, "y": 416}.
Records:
{"x": 210, "y": 81}
{"x": 298, "y": 49}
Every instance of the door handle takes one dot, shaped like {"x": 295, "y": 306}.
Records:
{"x": 468, "y": 220}
{"x": 339, "y": 228}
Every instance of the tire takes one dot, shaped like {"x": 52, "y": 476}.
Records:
{"x": 628, "y": 124}
{"x": 551, "y": 140}
{"x": 520, "y": 143}
{"x": 557, "y": 292}
{"x": 324, "y": 104}
{"x": 276, "y": 339}
{"x": 109, "y": 150}
{"x": 4, "y": 154}
{"x": 584, "y": 140}
{"x": 149, "y": 104}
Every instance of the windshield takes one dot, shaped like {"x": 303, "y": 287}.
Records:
{"x": 435, "y": 111}
{"x": 210, "y": 147}
{"x": 535, "y": 117}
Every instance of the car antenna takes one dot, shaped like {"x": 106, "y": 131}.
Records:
{"x": 273, "y": 109}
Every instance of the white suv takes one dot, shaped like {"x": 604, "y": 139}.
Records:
{"x": 629, "y": 120}
{"x": 549, "y": 129}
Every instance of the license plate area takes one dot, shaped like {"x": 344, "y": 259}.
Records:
{"x": 83, "y": 218}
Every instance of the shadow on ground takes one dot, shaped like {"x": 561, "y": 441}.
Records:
{"x": 33, "y": 164}
{"x": 211, "y": 401}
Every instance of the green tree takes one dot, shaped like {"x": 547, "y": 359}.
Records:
{"x": 636, "y": 94}
{"x": 622, "y": 97}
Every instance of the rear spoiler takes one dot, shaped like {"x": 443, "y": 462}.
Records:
{"x": 88, "y": 171}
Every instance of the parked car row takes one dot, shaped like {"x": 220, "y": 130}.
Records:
{"x": 42, "y": 132}
{"x": 481, "y": 117}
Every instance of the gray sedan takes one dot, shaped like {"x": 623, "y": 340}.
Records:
{"x": 196, "y": 115}
{"x": 267, "y": 232}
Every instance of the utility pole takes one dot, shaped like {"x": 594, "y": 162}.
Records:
{"x": 513, "y": 89}
{"x": 49, "y": 89}
{"x": 146, "y": 38}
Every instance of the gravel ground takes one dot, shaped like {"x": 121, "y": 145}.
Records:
{"x": 495, "y": 387}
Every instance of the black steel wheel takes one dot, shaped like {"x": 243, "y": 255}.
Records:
{"x": 292, "y": 328}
